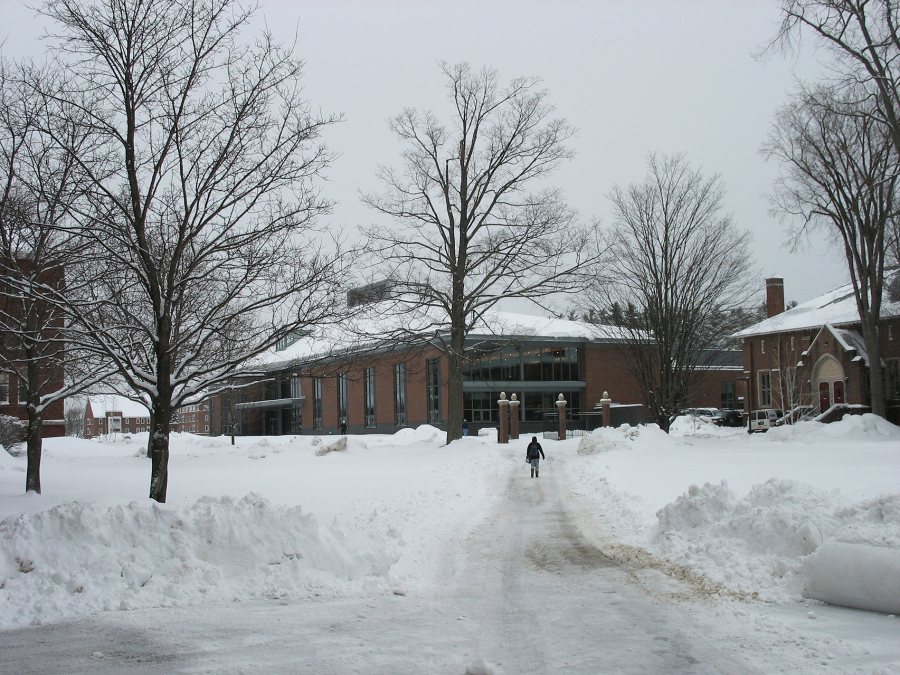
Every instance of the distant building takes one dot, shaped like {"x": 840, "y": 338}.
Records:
{"x": 110, "y": 414}
{"x": 308, "y": 386}
{"x": 105, "y": 414}
{"x": 12, "y": 391}
{"x": 813, "y": 356}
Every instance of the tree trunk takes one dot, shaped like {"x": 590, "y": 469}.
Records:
{"x": 876, "y": 378}
{"x": 34, "y": 450}
{"x": 159, "y": 452}
{"x": 150, "y": 439}
{"x": 454, "y": 395}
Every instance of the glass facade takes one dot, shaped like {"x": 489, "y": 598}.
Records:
{"x": 528, "y": 371}
{"x": 481, "y": 406}
{"x": 533, "y": 364}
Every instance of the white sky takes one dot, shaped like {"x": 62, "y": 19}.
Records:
{"x": 633, "y": 77}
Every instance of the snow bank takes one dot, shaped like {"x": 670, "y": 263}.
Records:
{"x": 772, "y": 537}
{"x": 851, "y": 427}
{"x": 606, "y": 439}
{"x": 855, "y": 575}
{"x": 783, "y": 540}
{"x": 80, "y": 557}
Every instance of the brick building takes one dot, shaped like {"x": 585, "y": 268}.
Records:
{"x": 46, "y": 355}
{"x": 108, "y": 413}
{"x": 300, "y": 391}
{"x": 812, "y": 357}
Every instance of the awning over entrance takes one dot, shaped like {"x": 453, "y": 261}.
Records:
{"x": 270, "y": 403}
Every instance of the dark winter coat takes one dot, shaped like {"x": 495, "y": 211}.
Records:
{"x": 534, "y": 448}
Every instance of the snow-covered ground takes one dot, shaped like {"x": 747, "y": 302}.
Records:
{"x": 762, "y": 522}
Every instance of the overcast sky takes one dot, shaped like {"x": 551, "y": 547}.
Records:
{"x": 634, "y": 76}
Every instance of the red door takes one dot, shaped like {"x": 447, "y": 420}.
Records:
{"x": 824, "y": 398}
{"x": 838, "y": 392}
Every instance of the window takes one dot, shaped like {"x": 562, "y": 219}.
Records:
{"x": 892, "y": 376}
{"x": 342, "y": 397}
{"x": 369, "y": 397}
{"x": 399, "y": 395}
{"x": 479, "y": 406}
{"x": 4, "y": 387}
{"x": 762, "y": 346}
{"x": 317, "y": 403}
{"x": 433, "y": 385}
{"x": 765, "y": 388}
{"x": 729, "y": 395}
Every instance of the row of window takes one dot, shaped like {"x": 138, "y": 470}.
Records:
{"x": 369, "y": 400}
{"x": 481, "y": 406}
{"x": 516, "y": 364}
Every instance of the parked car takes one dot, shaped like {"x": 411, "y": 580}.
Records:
{"x": 707, "y": 413}
{"x": 728, "y": 418}
{"x": 764, "y": 419}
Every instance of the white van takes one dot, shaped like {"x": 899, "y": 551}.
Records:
{"x": 763, "y": 420}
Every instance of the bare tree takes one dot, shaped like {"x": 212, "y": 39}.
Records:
{"x": 840, "y": 172}
{"x": 863, "y": 35}
{"x": 203, "y": 197}
{"x": 39, "y": 185}
{"x": 471, "y": 223}
{"x": 75, "y": 420}
{"x": 788, "y": 378}
{"x": 682, "y": 264}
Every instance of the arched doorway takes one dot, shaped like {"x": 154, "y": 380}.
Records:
{"x": 828, "y": 380}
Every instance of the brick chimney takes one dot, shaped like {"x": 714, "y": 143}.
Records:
{"x": 774, "y": 296}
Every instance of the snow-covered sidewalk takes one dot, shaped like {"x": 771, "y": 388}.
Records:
{"x": 810, "y": 510}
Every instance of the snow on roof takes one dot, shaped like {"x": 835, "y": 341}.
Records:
{"x": 103, "y": 403}
{"x": 837, "y": 307}
{"x": 372, "y": 323}
{"x": 850, "y": 341}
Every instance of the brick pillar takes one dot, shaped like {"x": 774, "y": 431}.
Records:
{"x": 604, "y": 405}
{"x": 514, "y": 417}
{"x": 503, "y": 415}
{"x": 561, "y": 412}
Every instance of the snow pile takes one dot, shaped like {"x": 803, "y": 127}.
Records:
{"x": 866, "y": 426}
{"x": 855, "y": 575}
{"x": 753, "y": 544}
{"x": 709, "y": 504}
{"x": 625, "y": 437}
{"x": 78, "y": 557}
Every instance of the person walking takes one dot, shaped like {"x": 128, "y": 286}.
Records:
{"x": 465, "y": 427}
{"x": 533, "y": 455}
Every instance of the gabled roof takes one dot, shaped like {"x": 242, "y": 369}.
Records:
{"x": 838, "y": 308}
{"x": 850, "y": 341}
